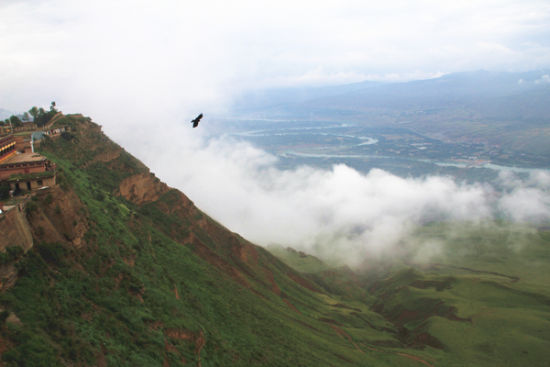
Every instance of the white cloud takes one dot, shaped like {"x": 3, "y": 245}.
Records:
{"x": 526, "y": 200}
{"x": 171, "y": 55}
{"x": 526, "y": 204}
{"x": 338, "y": 213}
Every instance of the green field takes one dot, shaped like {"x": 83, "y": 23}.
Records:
{"x": 484, "y": 300}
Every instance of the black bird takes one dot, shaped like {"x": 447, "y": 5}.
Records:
{"x": 196, "y": 120}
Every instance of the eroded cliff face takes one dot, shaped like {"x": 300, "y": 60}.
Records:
{"x": 58, "y": 216}
{"x": 52, "y": 215}
{"x": 15, "y": 230}
{"x": 8, "y": 276}
{"x": 142, "y": 188}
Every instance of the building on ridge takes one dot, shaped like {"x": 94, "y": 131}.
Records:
{"x": 24, "y": 171}
{"x": 7, "y": 147}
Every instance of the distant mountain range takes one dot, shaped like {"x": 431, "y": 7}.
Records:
{"x": 451, "y": 90}
{"x": 505, "y": 110}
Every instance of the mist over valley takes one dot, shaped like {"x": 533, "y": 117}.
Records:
{"x": 344, "y": 187}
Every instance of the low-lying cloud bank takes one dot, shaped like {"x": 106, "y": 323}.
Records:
{"x": 339, "y": 213}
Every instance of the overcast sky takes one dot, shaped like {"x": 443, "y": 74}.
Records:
{"x": 96, "y": 55}
{"x": 143, "y": 69}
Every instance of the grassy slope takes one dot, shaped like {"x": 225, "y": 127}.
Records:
{"x": 162, "y": 284}
{"x": 483, "y": 300}
{"x": 501, "y": 285}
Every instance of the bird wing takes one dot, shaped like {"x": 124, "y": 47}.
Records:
{"x": 196, "y": 120}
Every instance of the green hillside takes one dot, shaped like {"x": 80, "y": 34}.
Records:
{"x": 151, "y": 280}
{"x": 482, "y": 300}
{"x": 126, "y": 271}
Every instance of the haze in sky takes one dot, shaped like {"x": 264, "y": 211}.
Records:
{"x": 143, "y": 69}
{"x": 128, "y": 58}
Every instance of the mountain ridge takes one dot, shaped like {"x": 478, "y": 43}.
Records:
{"x": 127, "y": 271}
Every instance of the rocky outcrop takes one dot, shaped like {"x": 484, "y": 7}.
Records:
{"x": 59, "y": 217}
{"x": 16, "y": 232}
{"x": 15, "y": 229}
{"x": 8, "y": 276}
{"x": 52, "y": 215}
{"x": 142, "y": 188}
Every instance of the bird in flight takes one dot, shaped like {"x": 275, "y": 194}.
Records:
{"x": 196, "y": 120}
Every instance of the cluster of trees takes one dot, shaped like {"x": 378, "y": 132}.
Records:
{"x": 39, "y": 116}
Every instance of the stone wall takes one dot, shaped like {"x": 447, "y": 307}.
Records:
{"x": 22, "y": 168}
{"x": 32, "y": 184}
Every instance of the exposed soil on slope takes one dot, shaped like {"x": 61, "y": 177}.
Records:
{"x": 415, "y": 358}
{"x": 274, "y": 287}
{"x": 142, "y": 188}
{"x": 8, "y": 276}
{"x": 346, "y": 336}
{"x": 304, "y": 282}
{"x": 197, "y": 339}
{"x": 15, "y": 229}
{"x": 60, "y": 217}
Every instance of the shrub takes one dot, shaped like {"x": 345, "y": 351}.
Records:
{"x": 99, "y": 196}
{"x": 51, "y": 252}
{"x": 40, "y": 231}
{"x": 48, "y": 199}
{"x": 3, "y": 316}
{"x": 67, "y": 136}
{"x": 31, "y": 207}
{"x": 12, "y": 253}
{"x": 4, "y": 190}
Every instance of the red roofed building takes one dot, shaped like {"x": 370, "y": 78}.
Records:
{"x": 24, "y": 171}
{"x": 7, "y": 147}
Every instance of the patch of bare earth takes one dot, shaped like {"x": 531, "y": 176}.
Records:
{"x": 142, "y": 188}
{"x": 61, "y": 218}
{"x": 197, "y": 338}
{"x": 415, "y": 358}
{"x": 274, "y": 287}
{"x": 292, "y": 307}
{"x": 346, "y": 336}
{"x": 303, "y": 282}
{"x": 8, "y": 277}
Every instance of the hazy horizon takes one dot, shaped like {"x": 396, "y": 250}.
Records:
{"x": 173, "y": 56}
